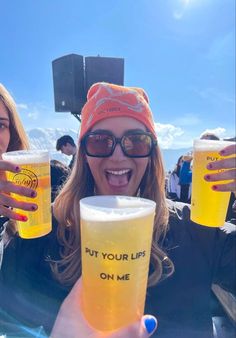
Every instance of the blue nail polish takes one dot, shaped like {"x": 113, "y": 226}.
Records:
{"x": 150, "y": 324}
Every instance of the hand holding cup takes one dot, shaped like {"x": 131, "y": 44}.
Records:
{"x": 7, "y": 202}
{"x": 70, "y": 322}
{"x": 212, "y": 161}
{"x": 226, "y": 167}
{"x": 30, "y": 169}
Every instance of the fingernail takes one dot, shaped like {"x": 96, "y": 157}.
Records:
{"x": 33, "y": 194}
{"x": 34, "y": 207}
{"x": 150, "y": 324}
{"x": 17, "y": 169}
{"x": 207, "y": 177}
{"x": 23, "y": 218}
{"x": 222, "y": 152}
{"x": 215, "y": 187}
{"x": 209, "y": 166}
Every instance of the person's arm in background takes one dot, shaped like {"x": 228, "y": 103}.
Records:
{"x": 172, "y": 187}
{"x": 70, "y": 322}
{"x": 185, "y": 174}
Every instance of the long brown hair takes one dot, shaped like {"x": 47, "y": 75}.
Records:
{"x": 66, "y": 210}
{"x": 18, "y": 138}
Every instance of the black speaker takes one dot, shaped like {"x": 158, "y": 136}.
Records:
{"x": 105, "y": 69}
{"x": 68, "y": 83}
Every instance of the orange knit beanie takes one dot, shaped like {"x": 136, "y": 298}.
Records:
{"x": 106, "y": 100}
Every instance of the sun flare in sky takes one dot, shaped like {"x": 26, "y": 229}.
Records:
{"x": 188, "y": 2}
{"x": 182, "y": 7}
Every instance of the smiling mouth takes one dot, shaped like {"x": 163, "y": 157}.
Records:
{"x": 118, "y": 178}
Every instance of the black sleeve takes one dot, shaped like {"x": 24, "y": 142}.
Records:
{"x": 218, "y": 245}
{"x": 225, "y": 268}
{"x": 172, "y": 196}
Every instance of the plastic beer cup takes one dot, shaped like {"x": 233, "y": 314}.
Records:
{"x": 208, "y": 207}
{"x": 35, "y": 174}
{"x": 116, "y": 236}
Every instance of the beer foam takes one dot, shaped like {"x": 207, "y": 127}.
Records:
{"x": 212, "y": 145}
{"x": 115, "y": 208}
{"x": 26, "y": 156}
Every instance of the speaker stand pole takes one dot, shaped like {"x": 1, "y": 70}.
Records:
{"x": 76, "y": 115}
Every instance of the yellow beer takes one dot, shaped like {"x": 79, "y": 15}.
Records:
{"x": 35, "y": 174}
{"x": 116, "y": 233}
{"x": 208, "y": 207}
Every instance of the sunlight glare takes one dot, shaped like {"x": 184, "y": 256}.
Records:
{"x": 186, "y": 2}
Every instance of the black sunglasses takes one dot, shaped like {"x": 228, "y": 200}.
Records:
{"x": 133, "y": 143}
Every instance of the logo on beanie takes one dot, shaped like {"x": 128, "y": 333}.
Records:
{"x": 109, "y": 110}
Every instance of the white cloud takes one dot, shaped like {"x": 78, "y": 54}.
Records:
{"x": 171, "y": 137}
{"x": 22, "y": 106}
{"x": 167, "y": 134}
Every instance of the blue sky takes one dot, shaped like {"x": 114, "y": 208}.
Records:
{"x": 182, "y": 52}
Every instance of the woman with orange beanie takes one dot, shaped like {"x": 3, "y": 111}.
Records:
{"x": 118, "y": 154}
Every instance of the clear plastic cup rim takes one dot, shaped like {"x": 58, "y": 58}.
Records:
{"x": 24, "y": 156}
{"x": 199, "y": 144}
{"x": 110, "y": 208}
